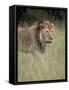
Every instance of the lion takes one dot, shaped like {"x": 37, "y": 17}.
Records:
{"x": 35, "y": 37}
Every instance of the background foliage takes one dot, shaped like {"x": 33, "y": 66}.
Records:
{"x": 30, "y": 15}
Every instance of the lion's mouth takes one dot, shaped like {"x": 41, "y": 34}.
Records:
{"x": 49, "y": 41}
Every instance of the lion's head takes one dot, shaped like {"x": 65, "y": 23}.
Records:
{"x": 45, "y": 29}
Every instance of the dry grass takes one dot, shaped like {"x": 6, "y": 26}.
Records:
{"x": 48, "y": 66}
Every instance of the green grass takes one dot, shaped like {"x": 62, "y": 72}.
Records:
{"x": 47, "y": 66}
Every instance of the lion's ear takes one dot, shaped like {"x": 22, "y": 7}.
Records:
{"x": 41, "y": 26}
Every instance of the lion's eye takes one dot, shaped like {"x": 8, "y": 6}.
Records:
{"x": 46, "y": 31}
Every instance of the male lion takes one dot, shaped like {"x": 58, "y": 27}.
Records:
{"x": 35, "y": 37}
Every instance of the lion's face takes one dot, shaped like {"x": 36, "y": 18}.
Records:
{"x": 46, "y": 31}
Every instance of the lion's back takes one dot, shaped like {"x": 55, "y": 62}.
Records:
{"x": 25, "y": 39}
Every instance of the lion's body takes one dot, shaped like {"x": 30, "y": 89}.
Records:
{"x": 32, "y": 38}
{"x": 25, "y": 40}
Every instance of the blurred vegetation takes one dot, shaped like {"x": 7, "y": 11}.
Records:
{"x": 47, "y": 66}
{"x": 30, "y": 15}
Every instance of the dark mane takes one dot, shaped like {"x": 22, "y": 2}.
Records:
{"x": 39, "y": 44}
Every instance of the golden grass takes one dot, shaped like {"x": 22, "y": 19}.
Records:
{"x": 48, "y": 66}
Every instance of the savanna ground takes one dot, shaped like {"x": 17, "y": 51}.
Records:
{"x": 47, "y": 66}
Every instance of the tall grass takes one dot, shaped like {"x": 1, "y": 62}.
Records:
{"x": 48, "y": 66}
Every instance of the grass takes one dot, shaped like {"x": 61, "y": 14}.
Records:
{"x": 47, "y": 66}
